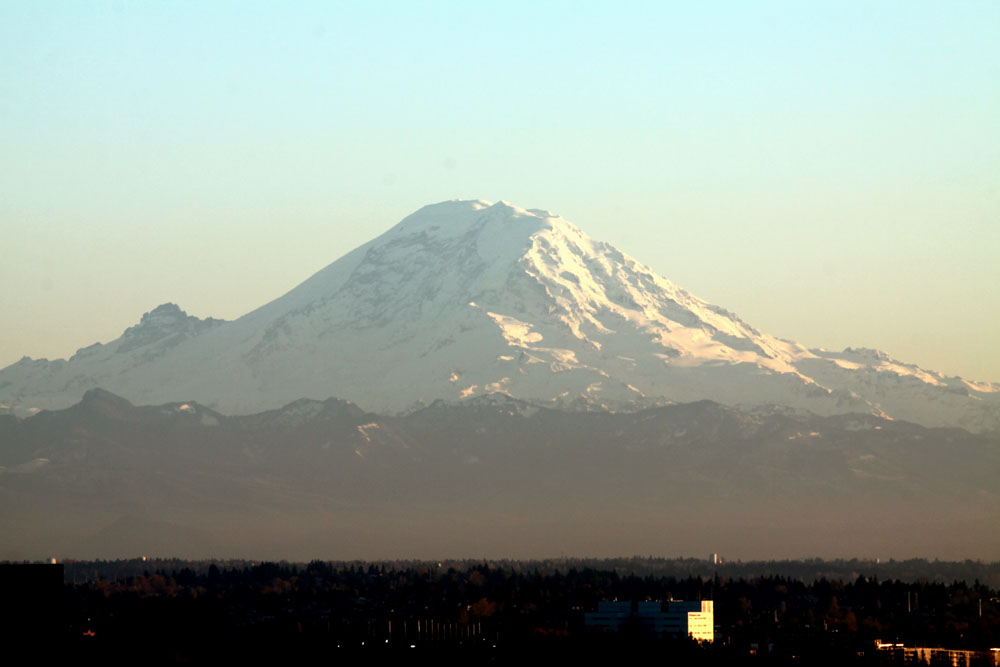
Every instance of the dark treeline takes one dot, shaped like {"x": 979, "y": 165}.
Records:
{"x": 503, "y": 608}
{"x": 808, "y": 570}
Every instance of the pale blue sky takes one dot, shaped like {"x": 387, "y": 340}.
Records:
{"x": 828, "y": 171}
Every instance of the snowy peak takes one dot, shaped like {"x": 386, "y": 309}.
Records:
{"x": 480, "y": 298}
{"x": 161, "y": 322}
{"x": 449, "y": 218}
{"x": 165, "y": 315}
{"x": 166, "y": 324}
{"x": 478, "y": 220}
{"x": 475, "y": 298}
{"x": 467, "y": 299}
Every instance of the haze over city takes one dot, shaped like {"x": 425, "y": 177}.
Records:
{"x": 828, "y": 173}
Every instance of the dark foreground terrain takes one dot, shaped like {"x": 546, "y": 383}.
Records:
{"x": 200, "y": 612}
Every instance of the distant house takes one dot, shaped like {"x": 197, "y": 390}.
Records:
{"x": 672, "y": 618}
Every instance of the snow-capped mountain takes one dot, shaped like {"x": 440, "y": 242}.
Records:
{"x": 468, "y": 298}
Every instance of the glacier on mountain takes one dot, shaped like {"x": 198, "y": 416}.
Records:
{"x": 468, "y": 298}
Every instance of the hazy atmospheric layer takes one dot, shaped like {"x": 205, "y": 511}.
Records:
{"x": 491, "y": 476}
{"x": 465, "y": 298}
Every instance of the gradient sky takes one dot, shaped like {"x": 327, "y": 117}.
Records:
{"x": 828, "y": 171}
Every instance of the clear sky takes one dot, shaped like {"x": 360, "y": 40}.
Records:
{"x": 828, "y": 171}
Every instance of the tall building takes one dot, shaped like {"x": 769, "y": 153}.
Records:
{"x": 672, "y": 618}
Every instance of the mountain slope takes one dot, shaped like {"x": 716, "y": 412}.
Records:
{"x": 466, "y": 298}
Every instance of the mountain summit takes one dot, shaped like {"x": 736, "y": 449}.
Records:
{"x": 468, "y": 298}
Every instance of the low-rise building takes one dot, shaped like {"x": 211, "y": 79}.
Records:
{"x": 670, "y": 618}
